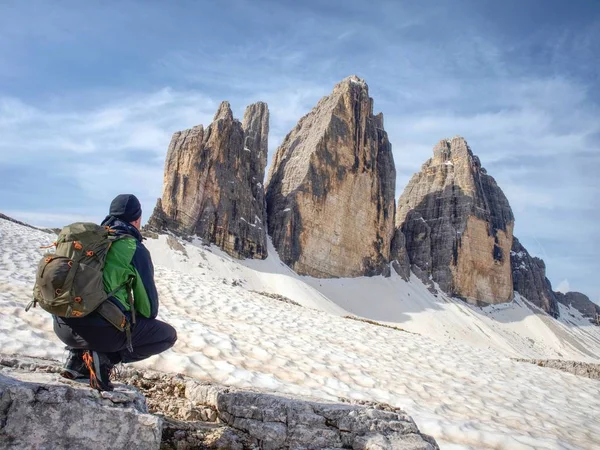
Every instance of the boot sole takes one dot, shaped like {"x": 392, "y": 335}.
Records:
{"x": 72, "y": 374}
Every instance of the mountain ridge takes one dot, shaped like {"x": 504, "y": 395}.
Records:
{"x": 328, "y": 203}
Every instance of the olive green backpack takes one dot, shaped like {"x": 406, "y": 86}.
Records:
{"x": 69, "y": 281}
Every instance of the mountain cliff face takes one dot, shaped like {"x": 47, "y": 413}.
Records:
{"x": 212, "y": 185}
{"x": 330, "y": 189}
{"x": 529, "y": 279}
{"x": 457, "y": 226}
{"x": 329, "y": 203}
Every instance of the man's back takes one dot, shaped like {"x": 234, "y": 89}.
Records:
{"x": 127, "y": 258}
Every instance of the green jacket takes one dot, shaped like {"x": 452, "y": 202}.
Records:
{"x": 128, "y": 257}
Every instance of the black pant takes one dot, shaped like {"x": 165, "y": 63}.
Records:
{"x": 149, "y": 337}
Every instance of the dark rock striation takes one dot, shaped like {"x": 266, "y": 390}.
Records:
{"x": 213, "y": 183}
{"x": 330, "y": 189}
{"x": 457, "y": 226}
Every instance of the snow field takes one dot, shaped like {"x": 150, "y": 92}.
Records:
{"x": 463, "y": 395}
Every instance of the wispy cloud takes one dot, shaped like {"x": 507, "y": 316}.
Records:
{"x": 91, "y": 105}
{"x": 142, "y": 122}
{"x": 99, "y": 151}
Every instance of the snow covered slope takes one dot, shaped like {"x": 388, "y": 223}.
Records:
{"x": 518, "y": 329}
{"x": 455, "y": 378}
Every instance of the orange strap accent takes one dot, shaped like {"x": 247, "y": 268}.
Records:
{"x": 48, "y": 259}
{"x": 76, "y": 313}
{"x": 49, "y": 246}
{"x": 77, "y": 245}
{"x": 77, "y": 300}
{"x": 89, "y": 362}
{"x": 89, "y": 253}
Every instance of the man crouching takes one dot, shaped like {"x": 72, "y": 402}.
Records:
{"x": 94, "y": 344}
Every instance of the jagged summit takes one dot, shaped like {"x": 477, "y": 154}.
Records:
{"x": 529, "y": 279}
{"x": 213, "y": 182}
{"x": 224, "y": 112}
{"x": 456, "y": 226}
{"x": 330, "y": 190}
{"x": 353, "y": 79}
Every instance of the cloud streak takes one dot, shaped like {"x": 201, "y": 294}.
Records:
{"x": 94, "y": 106}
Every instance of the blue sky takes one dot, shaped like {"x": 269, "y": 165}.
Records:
{"x": 91, "y": 92}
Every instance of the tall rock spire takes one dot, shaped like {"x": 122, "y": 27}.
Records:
{"x": 212, "y": 185}
{"x": 330, "y": 191}
{"x": 457, "y": 226}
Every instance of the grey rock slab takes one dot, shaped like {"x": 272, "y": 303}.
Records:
{"x": 43, "y": 411}
{"x": 279, "y": 421}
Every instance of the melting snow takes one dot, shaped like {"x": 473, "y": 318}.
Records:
{"x": 452, "y": 372}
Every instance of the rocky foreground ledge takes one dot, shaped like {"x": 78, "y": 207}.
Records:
{"x": 39, "y": 409}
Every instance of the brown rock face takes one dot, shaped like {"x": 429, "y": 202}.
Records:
{"x": 330, "y": 191}
{"x": 529, "y": 279}
{"x": 212, "y": 185}
{"x": 458, "y": 226}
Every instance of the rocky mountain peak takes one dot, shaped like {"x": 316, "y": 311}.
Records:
{"x": 456, "y": 226}
{"x": 350, "y": 81}
{"x": 224, "y": 112}
{"x": 213, "y": 182}
{"x": 330, "y": 190}
{"x": 456, "y": 151}
{"x": 582, "y": 303}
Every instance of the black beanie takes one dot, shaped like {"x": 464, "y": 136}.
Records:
{"x": 126, "y": 207}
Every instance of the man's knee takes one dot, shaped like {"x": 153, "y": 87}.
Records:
{"x": 158, "y": 331}
{"x": 171, "y": 334}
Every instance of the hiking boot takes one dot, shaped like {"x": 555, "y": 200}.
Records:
{"x": 74, "y": 367}
{"x": 100, "y": 369}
